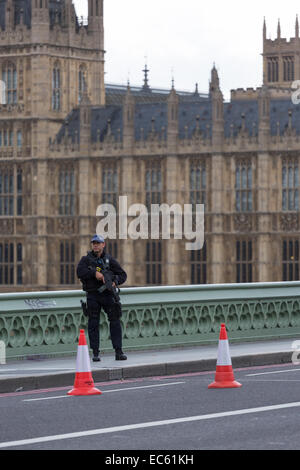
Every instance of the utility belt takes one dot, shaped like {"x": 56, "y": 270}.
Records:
{"x": 113, "y": 310}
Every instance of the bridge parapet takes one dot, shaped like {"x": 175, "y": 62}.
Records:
{"x": 48, "y": 323}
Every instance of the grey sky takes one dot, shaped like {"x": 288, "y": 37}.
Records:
{"x": 184, "y": 39}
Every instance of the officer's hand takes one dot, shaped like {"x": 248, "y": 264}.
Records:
{"x": 100, "y": 277}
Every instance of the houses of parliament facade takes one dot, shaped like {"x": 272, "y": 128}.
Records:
{"x": 69, "y": 143}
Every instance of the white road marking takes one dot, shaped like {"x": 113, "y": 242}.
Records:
{"x": 143, "y": 386}
{"x": 273, "y": 372}
{"x": 278, "y": 380}
{"x": 128, "y": 427}
{"x": 25, "y": 369}
{"x": 47, "y": 398}
{"x": 106, "y": 391}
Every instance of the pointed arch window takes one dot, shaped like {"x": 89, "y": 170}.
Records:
{"x": 82, "y": 82}
{"x": 56, "y": 88}
{"x": 66, "y": 191}
{"x": 9, "y": 79}
{"x": 197, "y": 181}
{"x": 153, "y": 183}
{"x": 11, "y": 263}
{"x": 243, "y": 186}
{"x": 288, "y": 69}
{"x": 290, "y": 185}
{"x": 273, "y": 69}
{"x": 110, "y": 183}
{"x": 11, "y": 191}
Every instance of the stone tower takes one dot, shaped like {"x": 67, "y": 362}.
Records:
{"x": 49, "y": 60}
{"x": 281, "y": 61}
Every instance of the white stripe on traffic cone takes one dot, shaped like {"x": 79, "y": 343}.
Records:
{"x": 84, "y": 384}
{"x": 224, "y": 377}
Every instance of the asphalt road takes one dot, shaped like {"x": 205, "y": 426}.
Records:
{"x": 160, "y": 413}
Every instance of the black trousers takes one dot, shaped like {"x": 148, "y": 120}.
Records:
{"x": 95, "y": 302}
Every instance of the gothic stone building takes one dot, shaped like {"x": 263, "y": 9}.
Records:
{"x": 68, "y": 143}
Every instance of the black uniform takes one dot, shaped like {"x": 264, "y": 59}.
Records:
{"x": 86, "y": 271}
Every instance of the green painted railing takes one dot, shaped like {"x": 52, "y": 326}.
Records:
{"x": 47, "y": 323}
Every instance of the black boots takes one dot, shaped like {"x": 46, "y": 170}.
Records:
{"x": 120, "y": 356}
{"x": 96, "y": 357}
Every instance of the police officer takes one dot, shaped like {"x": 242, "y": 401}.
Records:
{"x": 90, "y": 272}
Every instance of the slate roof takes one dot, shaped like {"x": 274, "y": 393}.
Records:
{"x": 194, "y": 116}
{"x": 279, "y": 113}
{"x": 70, "y": 127}
{"x": 233, "y": 119}
{"x": 194, "y": 112}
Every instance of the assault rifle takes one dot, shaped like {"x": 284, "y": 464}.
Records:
{"x": 115, "y": 311}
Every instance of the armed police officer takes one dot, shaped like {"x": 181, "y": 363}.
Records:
{"x": 101, "y": 275}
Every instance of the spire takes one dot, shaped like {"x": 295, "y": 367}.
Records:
{"x": 9, "y": 14}
{"x": 264, "y": 116}
{"x": 297, "y": 27}
{"x": 217, "y": 109}
{"x": 128, "y": 118}
{"x": 173, "y": 88}
{"x": 264, "y": 29}
{"x": 172, "y": 79}
{"x": 172, "y": 132}
{"x": 278, "y": 29}
{"x": 146, "y": 85}
{"x": 214, "y": 82}
{"x": 85, "y": 113}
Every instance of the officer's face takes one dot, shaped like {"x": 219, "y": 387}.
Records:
{"x": 98, "y": 247}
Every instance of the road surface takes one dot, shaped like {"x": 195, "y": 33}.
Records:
{"x": 160, "y": 413}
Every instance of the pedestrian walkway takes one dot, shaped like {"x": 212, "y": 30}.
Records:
{"x": 29, "y": 374}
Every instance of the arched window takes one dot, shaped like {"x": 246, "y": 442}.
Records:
{"x": 197, "y": 182}
{"x": 82, "y": 82}
{"x": 273, "y": 69}
{"x": 243, "y": 186}
{"x": 290, "y": 185}
{"x": 66, "y": 191}
{"x": 9, "y": 79}
{"x": 56, "y": 87}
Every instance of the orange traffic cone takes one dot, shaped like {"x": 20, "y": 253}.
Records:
{"x": 84, "y": 384}
{"x": 224, "y": 377}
